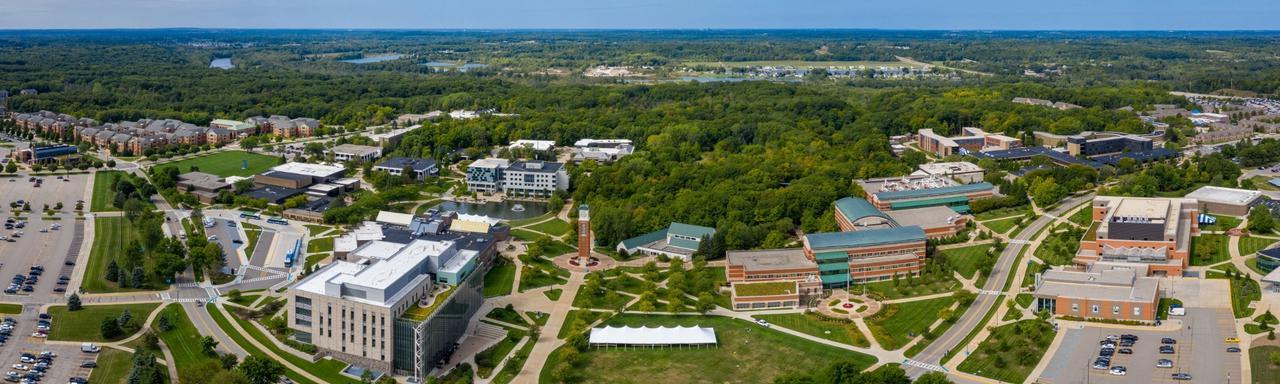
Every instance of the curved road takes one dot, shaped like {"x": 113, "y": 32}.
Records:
{"x": 972, "y": 318}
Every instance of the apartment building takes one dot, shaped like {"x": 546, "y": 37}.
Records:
{"x": 1152, "y": 233}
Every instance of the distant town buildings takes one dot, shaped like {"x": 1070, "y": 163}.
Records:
{"x": 1045, "y": 103}
{"x": 144, "y": 136}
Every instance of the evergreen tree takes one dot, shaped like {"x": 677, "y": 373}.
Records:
{"x": 73, "y": 302}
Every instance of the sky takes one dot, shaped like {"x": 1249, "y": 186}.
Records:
{"x": 646, "y": 14}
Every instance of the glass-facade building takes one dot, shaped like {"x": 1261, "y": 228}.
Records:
{"x": 418, "y": 345}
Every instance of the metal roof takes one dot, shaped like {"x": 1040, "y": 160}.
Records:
{"x": 854, "y": 208}
{"x": 695, "y": 231}
{"x": 931, "y": 192}
{"x": 864, "y": 238}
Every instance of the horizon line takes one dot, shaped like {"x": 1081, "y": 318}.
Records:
{"x": 815, "y": 29}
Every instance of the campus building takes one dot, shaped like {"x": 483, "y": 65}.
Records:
{"x": 348, "y": 152}
{"x": 678, "y": 240}
{"x": 44, "y": 153}
{"x": 1089, "y": 147}
{"x": 1102, "y": 292}
{"x": 855, "y": 214}
{"x": 1226, "y": 201}
{"x": 205, "y": 186}
{"x": 422, "y": 168}
{"x": 961, "y": 171}
{"x": 771, "y": 278}
{"x": 1153, "y": 233}
{"x": 917, "y": 191}
{"x": 974, "y": 140}
{"x": 601, "y": 150}
{"x": 396, "y": 300}
{"x": 847, "y": 258}
{"x": 529, "y": 178}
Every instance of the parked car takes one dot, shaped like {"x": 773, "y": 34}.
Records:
{"x": 1164, "y": 363}
{"x": 89, "y": 364}
{"x": 1182, "y": 376}
{"x": 762, "y": 322}
{"x": 1168, "y": 340}
{"x": 1233, "y": 349}
{"x": 1165, "y": 349}
{"x": 1118, "y": 370}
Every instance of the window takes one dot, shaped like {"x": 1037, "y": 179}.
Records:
{"x": 1075, "y": 307}
{"x": 1095, "y": 309}
{"x": 1115, "y": 310}
{"x": 1137, "y": 311}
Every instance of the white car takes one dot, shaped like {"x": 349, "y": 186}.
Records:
{"x": 213, "y": 238}
{"x": 20, "y": 367}
{"x": 762, "y": 323}
{"x": 1118, "y": 371}
{"x": 39, "y": 334}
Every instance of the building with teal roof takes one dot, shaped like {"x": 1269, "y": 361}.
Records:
{"x": 848, "y": 258}
{"x": 920, "y": 191}
{"x": 678, "y": 240}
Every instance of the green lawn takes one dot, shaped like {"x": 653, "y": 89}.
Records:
{"x": 553, "y": 294}
{"x": 10, "y": 309}
{"x": 553, "y": 227}
{"x": 488, "y": 359}
{"x": 245, "y": 300}
{"x": 1243, "y": 292}
{"x": 1250, "y": 245}
{"x": 1003, "y": 212}
{"x": 1261, "y": 366}
{"x": 226, "y": 163}
{"x": 1263, "y": 183}
{"x": 746, "y": 353}
{"x": 586, "y": 316}
{"x": 224, "y": 323}
{"x": 1217, "y": 250}
{"x": 1082, "y": 217}
{"x": 499, "y": 279}
{"x": 509, "y": 316}
{"x": 1011, "y": 351}
{"x": 837, "y": 330}
{"x": 103, "y": 196}
{"x": 1003, "y": 225}
{"x": 184, "y": 342}
{"x": 113, "y": 367}
{"x": 918, "y": 286}
{"x": 314, "y": 230}
{"x": 86, "y": 324}
{"x": 320, "y": 245}
{"x": 524, "y": 235}
{"x": 110, "y": 236}
{"x": 251, "y": 241}
{"x": 1224, "y": 223}
{"x": 968, "y": 260}
{"x": 896, "y": 324}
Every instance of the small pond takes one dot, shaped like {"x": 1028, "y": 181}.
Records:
{"x": 504, "y": 210}
{"x": 373, "y": 59}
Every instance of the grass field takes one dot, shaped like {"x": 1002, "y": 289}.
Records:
{"x": 183, "y": 341}
{"x": 524, "y": 235}
{"x": 314, "y": 230}
{"x": 323, "y": 244}
{"x": 1261, "y": 366}
{"x": 224, "y": 323}
{"x": 251, "y": 240}
{"x": 110, "y": 236}
{"x": 103, "y": 196}
{"x": 837, "y": 330}
{"x": 10, "y": 309}
{"x": 1263, "y": 183}
{"x": 919, "y": 286}
{"x": 226, "y": 163}
{"x": 896, "y": 324}
{"x": 1003, "y": 212}
{"x": 799, "y": 64}
{"x": 113, "y": 367}
{"x": 968, "y": 260}
{"x": 1249, "y": 245}
{"x": 499, "y": 279}
{"x": 1010, "y": 354}
{"x": 86, "y": 324}
{"x": 245, "y": 300}
{"x": 1082, "y": 217}
{"x": 1224, "y": 223}
{"x": 1002, "y": 226}
{"x": 553, "y": 227}
{"x": 747, "y": 353}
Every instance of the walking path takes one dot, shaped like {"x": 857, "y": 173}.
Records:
{"x": 547, "y": 340}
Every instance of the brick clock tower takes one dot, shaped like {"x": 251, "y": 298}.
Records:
{"x": 584, "y": 232}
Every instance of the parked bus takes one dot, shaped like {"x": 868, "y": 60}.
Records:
{"x": 249, "y": 215}
{"x": 277, "y": 220}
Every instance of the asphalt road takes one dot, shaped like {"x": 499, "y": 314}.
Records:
{"x": 972, "y": 318}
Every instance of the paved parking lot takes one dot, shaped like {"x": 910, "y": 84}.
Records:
{"x": 51, "y": 249}
{"x": 65, "y": 366}
{"x": 1200, "y": 351}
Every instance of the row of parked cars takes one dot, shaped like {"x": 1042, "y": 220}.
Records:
{"x": 31, "y": 368}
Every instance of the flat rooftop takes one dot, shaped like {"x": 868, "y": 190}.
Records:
{"x": 927, "y": 217}
{"x": 354, "y": 149}
{"x": 770, "y": 259}
{"x": 314, "y": 170}
{"x": 1155, "y": 209}
{"x": 1110, "y": 285}
{"x": 950, "y": 168}
{"x": 1225, "y": 195}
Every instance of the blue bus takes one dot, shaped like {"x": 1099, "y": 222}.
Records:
{"x": 293, "y": 254}
{"x": 277, "y": 220}
{"x": 249, "y": 215}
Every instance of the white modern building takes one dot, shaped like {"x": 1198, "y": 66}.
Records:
{"x": 601, "y": 150}
{"x": 537, "y": 145}
{"x": 347, "y": 152}
{"x": 526, "y": 178}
